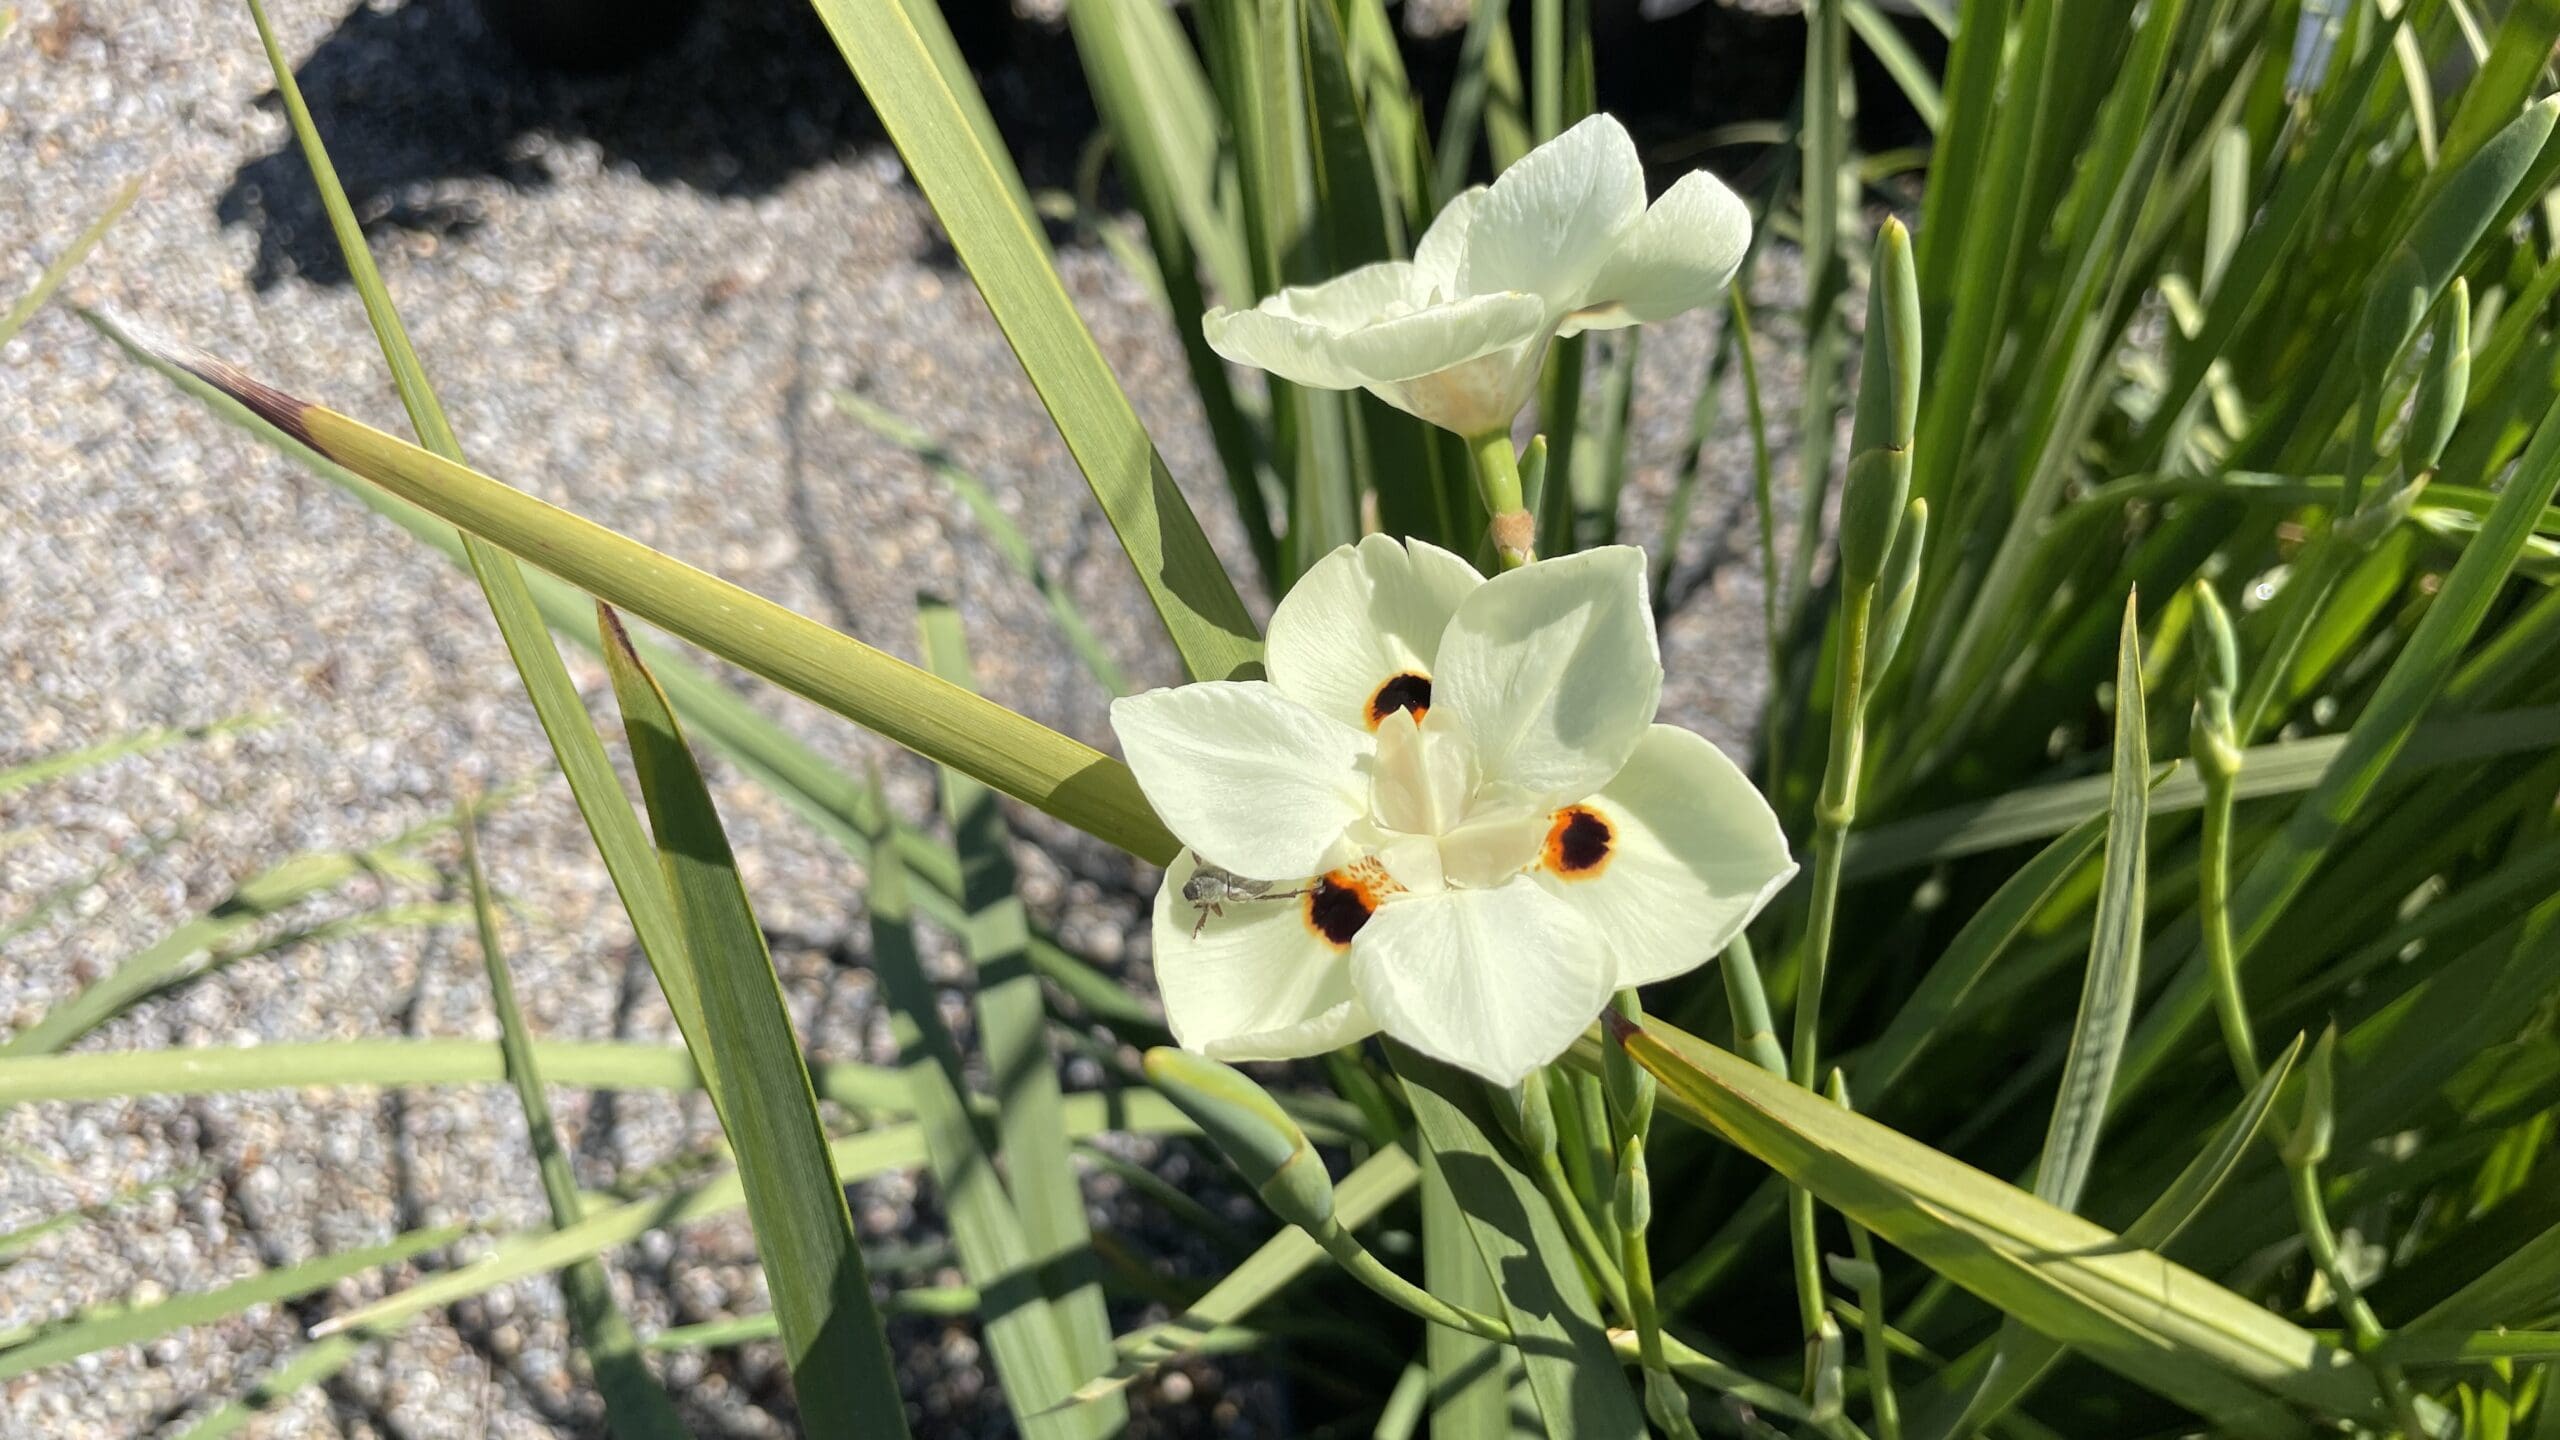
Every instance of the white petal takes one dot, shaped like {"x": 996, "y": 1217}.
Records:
{"x": 1424, "y": 775}
{"x": 1441, "y": 337}
{"x": 1484, "y": 395}
{"x": 1360, "y": 617}
{"x": 1252, "y": 781}
{"x": 1257, "y": 984}
{"x": 1680, "y": 256}
{"x": 1443, "y": 250}
{"x": 1694, "y": 852}
{"x": 1293, "y": 334}
{"x": 1495, "y": 981}
{"x": 1553, "y": 671}
{"x": 1550, "y": 221}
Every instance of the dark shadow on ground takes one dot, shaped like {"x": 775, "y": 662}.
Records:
{"x": 419, "y": 99}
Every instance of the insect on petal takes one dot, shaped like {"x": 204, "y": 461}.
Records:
{"x": 1257, "y": 983}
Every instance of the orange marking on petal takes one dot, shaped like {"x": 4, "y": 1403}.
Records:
{"x": 1340, "y": 903}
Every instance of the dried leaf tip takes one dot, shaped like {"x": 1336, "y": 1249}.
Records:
{"x": 1620, "y": 1027}
{"x": 283, "y": 411}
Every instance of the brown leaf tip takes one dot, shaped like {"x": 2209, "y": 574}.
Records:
{"x": 263, "y": 400}
{"x": 609, "y": 624}
{"x": 1620, "y": 1027}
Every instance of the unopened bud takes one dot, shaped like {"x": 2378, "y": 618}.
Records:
{"x": 1250, "y": 1129}
{"x": 1632, "y": 1199}
{"x": 1888, "y": 413}
{"x": 2444, "y": 385}
{"x": 1899, "y": 587}
{"x": 2316, "y": 1122}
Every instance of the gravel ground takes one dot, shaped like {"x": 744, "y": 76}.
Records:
{"x": 634, "y": 295}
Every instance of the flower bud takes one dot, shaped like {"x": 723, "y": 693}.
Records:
{"x": 1251, "y": 1130}
{"x": 1666, "y": 1403}
{"x": 1900, "y": 587}
{"x": 1826, "y": 1352}
{"x": 1533, "y": 1116}
{"x": 1630, "y": 1086}
{"x": 1631, "y": 1201}
{"x": 2316, "y": 1122}
{"x": 2217, "y": 646}
{"x": 1888, "y": 414}
{"x": 2444, "y": 386}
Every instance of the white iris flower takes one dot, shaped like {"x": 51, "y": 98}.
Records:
{"x": 1562, "y": 242}
{"x": 1447, "y": 815}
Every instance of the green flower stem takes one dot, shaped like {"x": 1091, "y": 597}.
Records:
{"x": 2213, "y": 901}
{"x": 1548, "y": 1172}
{"x": 1755, "y": 1035}
{"x": 2220, "y": 770}
{"x": 1833, "y": 812}
{"x": 1369, "y": 1270}
{"x": 1515, "y": 530}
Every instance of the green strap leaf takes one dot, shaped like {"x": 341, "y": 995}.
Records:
{"x": 635, "y": 1407}
{"x": 1580, "y": 1386}
{"x": 840, "y": 1365}
{"x": 927, "y": 107}
{"x": 1019, "y": 756}
{"x": 1048, "y": 1199}
{"x": 2132, "y": 1310}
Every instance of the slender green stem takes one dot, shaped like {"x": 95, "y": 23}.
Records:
{"x": 1498, "y": 480}
{"x": 1877, "y": 1336}
{"x": 2213, "y": 903}
{"x": 2311, "y": 1212}
{"x": 1369, "y": 1270}
{"x": 1833, "y": 812}
{"x": 1754, "y": 1033}
{"x": 1550, "y": 1177}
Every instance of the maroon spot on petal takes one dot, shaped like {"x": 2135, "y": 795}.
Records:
{"x": 1579, "y": 843}
{"x": 1338, "y": 906}
{"x": 1405, "y": 692}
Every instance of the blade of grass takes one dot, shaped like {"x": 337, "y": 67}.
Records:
{"x": 306, "y": 1366}
{"x": 1574, "y": 1375}
{"x": 173, "y": 956}
{"x": 1373, "y": 1185}
{"x": 86, "y": 1335}
{"x": 2115, "y": 946}
{"x": 1000, "y": 532}
{"x": 839, "y": 806}
{"x": 2285, "y": 767}
{"x": 840, "y": 1366}
{"x": 926, "y": 108}
{"x": 554, "y": 696}
{"x": 635, "y": 1407}
{"x": 1022, "y": 1331}
{"x": 1047, "y": 1196}
{"x": 1024, "y": 759}
{"x": 293, "y": 1065}
{"x": 2133, "y": 1311}
{"x": 138, "y": 742}
{"x": 68, "y": 261}
{"x": 873, "y": 1152}
{"x": 2020, "y": 1359}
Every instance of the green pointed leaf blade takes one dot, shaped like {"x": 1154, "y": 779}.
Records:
{"x": 2135, "y": 1312}
{"x": 565, "y": 723}
{"x": 1577, "y": 1379}
{"x": 840, "y": 1365}
{"x": 1032, "y": 1136}
{"x": 1024, "y": 759}
{"x": 636, "y": 1407}
{"x": 927, "y": 109}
